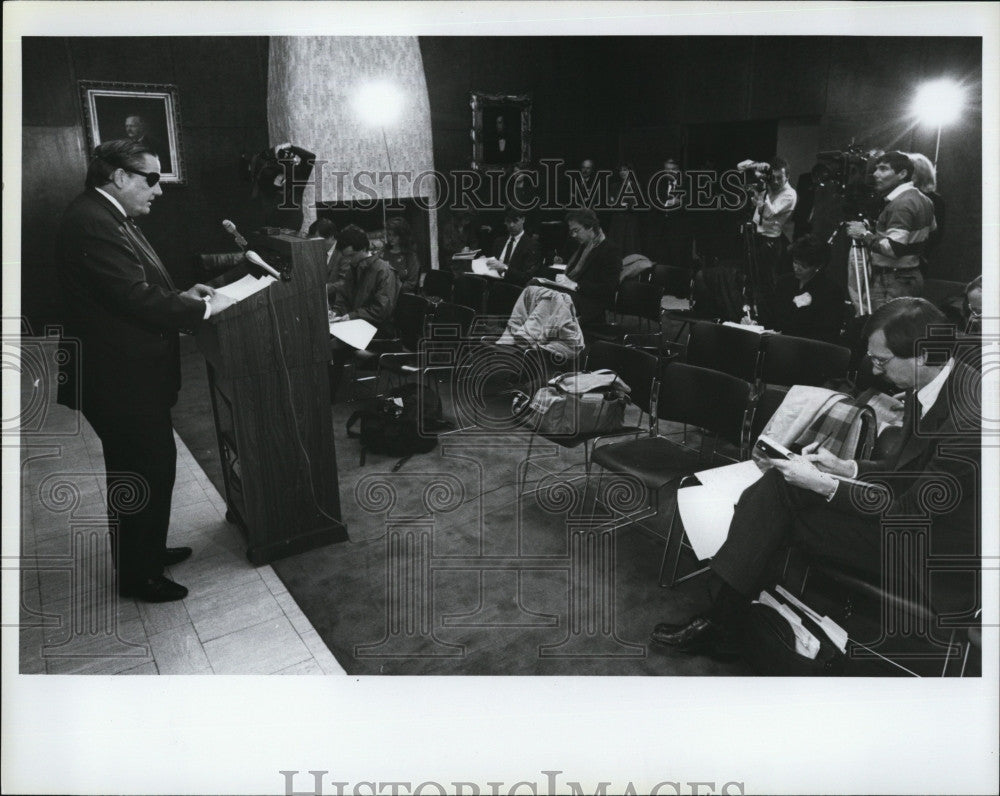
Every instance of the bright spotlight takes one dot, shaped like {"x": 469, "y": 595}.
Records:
{"x": 379, "y": 103}
{"x": 939, "y": 102}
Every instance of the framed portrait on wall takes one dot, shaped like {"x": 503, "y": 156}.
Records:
{"x": 145, "y": 112}
{"x": 501, "y": 130}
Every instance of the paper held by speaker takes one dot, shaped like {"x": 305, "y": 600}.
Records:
{"x": 245, "y": 287}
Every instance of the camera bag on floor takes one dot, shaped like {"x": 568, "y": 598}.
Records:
{"x": 403, "y": 422}
{"x": 784, "y": 638}
{"x": 579, "y": 403}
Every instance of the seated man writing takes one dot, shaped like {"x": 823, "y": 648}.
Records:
{"x": 804, "y": 501}
{"x": 516, "y": 256}
{"x": 367, "y": 290}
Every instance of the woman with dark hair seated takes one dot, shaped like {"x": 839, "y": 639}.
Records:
{"x": 594, "y": 269}
{"x": 401, "y": 254}
{"x": 806, "y": 302}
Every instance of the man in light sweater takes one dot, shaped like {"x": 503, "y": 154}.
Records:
{"x": 901, "y": 231}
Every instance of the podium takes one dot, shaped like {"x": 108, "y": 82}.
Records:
{"x": 267, "y": 373}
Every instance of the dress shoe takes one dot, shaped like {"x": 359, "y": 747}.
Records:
{"x": 698, "y": 635}
{"x": 154, "y": 590}
{"x": 174, "y": 555}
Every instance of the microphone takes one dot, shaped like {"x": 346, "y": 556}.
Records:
{"x": 255, "y": 258}
{"x": 230, "y": 227}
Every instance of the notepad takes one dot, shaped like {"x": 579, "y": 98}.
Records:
{"x": 357, "y": 333}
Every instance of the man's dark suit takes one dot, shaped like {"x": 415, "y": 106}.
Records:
{"x": 933, "y": 472}
{"x": 597, "y": 282}
{"x": 524, "y": 262}
{"x": 122, "y": 306}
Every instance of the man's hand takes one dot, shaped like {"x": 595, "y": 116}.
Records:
{"x": 826, "y": 461}
{"x": 804, "y": 474}
{"x": 557, "y": 260}
{"x": 199, "y": 291}
{"x": 339, "y": 318}
{"x": 220, "y": 302}
{"x": 856, "y": 229}
{"x": 495, "y": 264}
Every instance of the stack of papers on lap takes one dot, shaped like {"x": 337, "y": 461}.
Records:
{"x": 469, "y": 255}
{"x": 558, "y": 266}
{"x": 357, "y": 333}
{"x": 707, "y": 510}
{"x": 245, "y": 287}
{"x": 480, "y": 267}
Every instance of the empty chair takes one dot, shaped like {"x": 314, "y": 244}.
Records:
{"x": 729, "y": 349}
{"x": 437, "y": 284}
{"x": 634, "y": 299}
{"x": 717, "y": 403}
{"x": 437, "y": 352}
{"x": 501, "y": 298}
{"x": 469, "y": 290}
{"x": 788, "y": 360}
{"x": 674, "y": 280}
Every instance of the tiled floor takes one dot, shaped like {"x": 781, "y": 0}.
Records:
{"x": 237, "y": 619}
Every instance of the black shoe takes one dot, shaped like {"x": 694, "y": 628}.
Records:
{"x": 698, "y": 635}
{"x": 154, "y": 590}
{"x": 174, "y": 555}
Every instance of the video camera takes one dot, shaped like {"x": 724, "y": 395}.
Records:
{"x": 847, "y": 172}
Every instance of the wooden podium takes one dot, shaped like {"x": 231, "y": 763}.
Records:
{"x": 267, "y": 373}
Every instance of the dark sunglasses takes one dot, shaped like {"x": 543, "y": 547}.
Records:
{"x": 151, "y": 176}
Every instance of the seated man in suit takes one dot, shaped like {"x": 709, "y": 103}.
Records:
{"x": 804, "y": 502}
{"x": 593, "y": 270}
{"x": 807, "y": 303}
{"x": 516, "y": 255}
{"x": 368, "y": 290}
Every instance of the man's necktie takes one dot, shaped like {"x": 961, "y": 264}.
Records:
{"x": 507, "y": 250}
{"x": 146, "y": 252}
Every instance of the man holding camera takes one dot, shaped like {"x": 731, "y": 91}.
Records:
{"x": 774, "y": 202}
{"x": 901, "y": 231}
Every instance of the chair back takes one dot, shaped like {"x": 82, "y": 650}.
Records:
{"x": 469, "y": 290}
{"x": 208, "y": 266}
{"x": 714, "y": 401}
{"x": 410, "y": 318}
{"x": 789, "y": 360}
{"x": 638, "y": 369}
{"x": 640, "y": 299}
{"x": 438, "y": 283}
{"x": 674, "y": 280}
{"x": 728, "y": 349}
{"x": 451, "y": 321}
{"x": 501, "y": 298}
{"x": 768, "y": 401}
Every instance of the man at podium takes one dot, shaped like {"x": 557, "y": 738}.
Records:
{"x": 123, "y": 308}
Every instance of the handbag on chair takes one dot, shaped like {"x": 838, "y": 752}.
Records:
{"x": 579, "y": 403}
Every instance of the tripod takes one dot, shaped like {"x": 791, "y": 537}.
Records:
{"x": 751, "y": 281}
{"x": 858, "y": 269}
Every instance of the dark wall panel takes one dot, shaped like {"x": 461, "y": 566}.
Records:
{"x": 615, "y": 96}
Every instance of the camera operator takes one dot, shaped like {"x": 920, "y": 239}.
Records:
{"x": 774, "y": 201}
{"x": 901, "y": 231}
